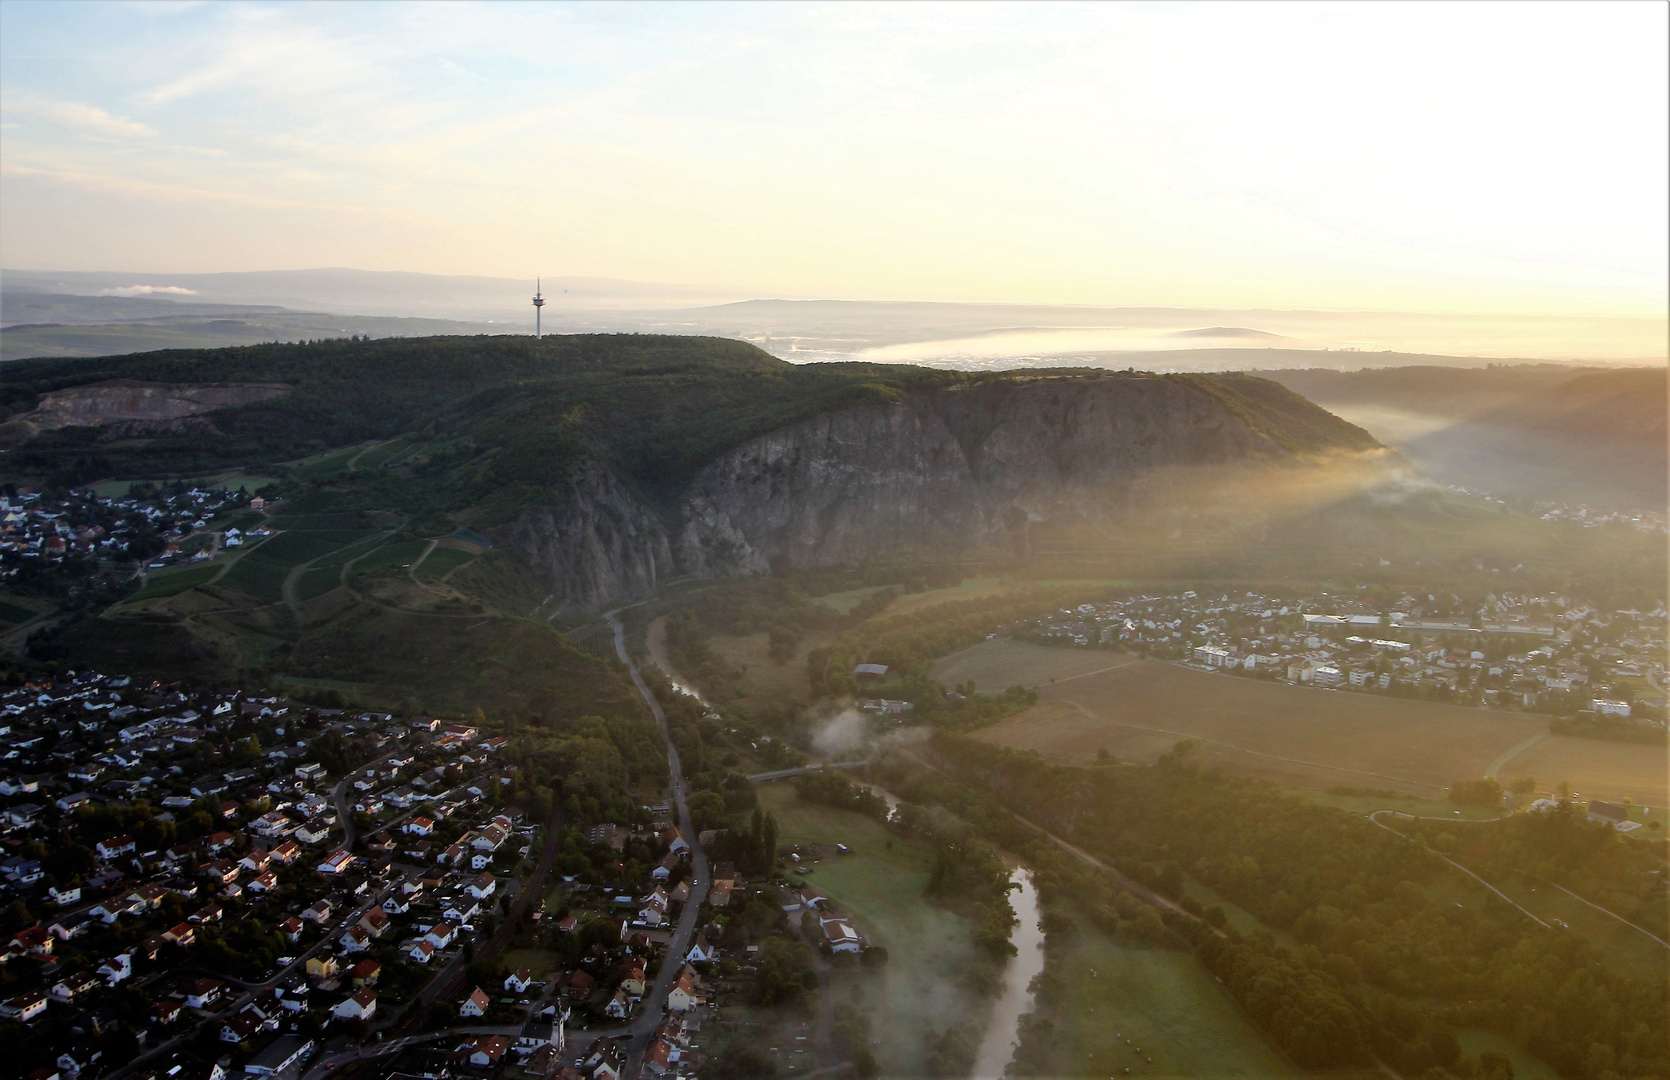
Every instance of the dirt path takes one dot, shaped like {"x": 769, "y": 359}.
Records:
{"x": 1614, "y": 914}
{"x": 1512, "y": 752}
{"x": 411, "y": 570}
{"x": 1375, "y": 817}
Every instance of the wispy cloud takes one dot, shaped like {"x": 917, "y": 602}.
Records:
{"x": 74, "y": 116}
{"x": 188, "y": 194}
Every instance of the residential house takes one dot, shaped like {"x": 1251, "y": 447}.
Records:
{"x": 360, "y": 1005}
{"x": 488, "y": 1051}
{"x": 204, "y": 993}
{"x": 475, "y": 1005}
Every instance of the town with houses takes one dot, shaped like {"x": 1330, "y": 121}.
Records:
{"x": 152, "y": 527}
{"x": 199, "y": 885}
{"x": 1552, "y": 654}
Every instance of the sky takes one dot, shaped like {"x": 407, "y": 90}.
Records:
{"x": 1499, "y": 158}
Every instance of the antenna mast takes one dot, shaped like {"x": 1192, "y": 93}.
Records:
{"x": 538, "y": 302}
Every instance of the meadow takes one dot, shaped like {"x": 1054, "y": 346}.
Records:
{"x": 880, "y": 883}
{"x": 1164, "y": 1001}
{"x": 1299, "y": 736}
{"x": 764, "y": 680}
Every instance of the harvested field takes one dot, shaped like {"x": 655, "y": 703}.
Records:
{"x": 1596, "y": 767}
{"x": 996, "y": 665}
{"x": 1298, "y": 736}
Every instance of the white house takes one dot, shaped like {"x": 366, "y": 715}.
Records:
{"x": 360, "y": 1005}
{"x": 475, "y": 1005}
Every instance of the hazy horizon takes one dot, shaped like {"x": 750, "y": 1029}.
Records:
{"x": 1361, "y": 157}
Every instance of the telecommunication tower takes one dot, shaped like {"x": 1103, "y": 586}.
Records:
{"x": 538, "y": 302}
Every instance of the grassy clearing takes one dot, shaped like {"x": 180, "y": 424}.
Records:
{"x": 764, "y": 679}
{"x": 844, "y": 602}
{"x": 967, "y": 590}
{"x": 995, "y": 665}
{"x": 880, "y": 884}
{"x": 327, "y": 465}
{"x": 176, "y": 583}
{"x": 440, "y": 562}
{"x": 1298, "y": 736}
{"x": 1165, "y": 1002}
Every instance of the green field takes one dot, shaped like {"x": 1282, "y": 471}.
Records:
{"x": 1164, "y": 1001}
{"x": 177, "y": 582}
{"x": 296, "y": 547}
{"x": 13, "y": 614}
{"x": 259, "y": 576}
{"x": 844, "y": 602}
{"x": 390, "y": 556}
{"x": 379, "y": 456}
{"x": 324, "y": 522}
{"x": 440, "y": 562}
{"x": 881, "y": 887}
{"x": 995, "y": 665}
{"x": 327, "y": 465}
{"x": 318, "y": 581}
{"x": 227, "y": 481}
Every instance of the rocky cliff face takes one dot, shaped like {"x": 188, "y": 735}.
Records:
{"x": 931, "y": 477}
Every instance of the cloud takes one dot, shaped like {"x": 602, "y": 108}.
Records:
{"x": 120, "y": 185}
{"x": 149, "y": 290}
{"x": 87, "y": 119}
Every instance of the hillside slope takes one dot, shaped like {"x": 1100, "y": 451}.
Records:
{"x": 1539, "y": 431}
{"x": 610, "y": 464}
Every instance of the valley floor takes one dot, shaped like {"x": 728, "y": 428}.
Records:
{"x": 1296, "y": 736}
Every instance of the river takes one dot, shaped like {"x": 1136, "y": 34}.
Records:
{"x": 1003, "y": 1029}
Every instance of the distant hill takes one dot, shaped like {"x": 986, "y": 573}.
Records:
{"x": 18, "y": 307}
{"x": 1531, "y": 430}
{"x": 368, "y": 292}
{"x": 201, "y": 326}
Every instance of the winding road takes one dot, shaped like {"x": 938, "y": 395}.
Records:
{"x": 638, "y": 1032}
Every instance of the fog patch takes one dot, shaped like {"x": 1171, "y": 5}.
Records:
{"x": 843, "y": 736}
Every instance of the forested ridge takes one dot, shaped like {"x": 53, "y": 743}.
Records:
{"x": 513, "y": 413}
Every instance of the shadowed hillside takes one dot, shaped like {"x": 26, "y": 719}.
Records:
{"x": 1540, "y": 431}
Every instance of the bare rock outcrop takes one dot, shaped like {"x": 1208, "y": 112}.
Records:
{"x": 933, "y": 476}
